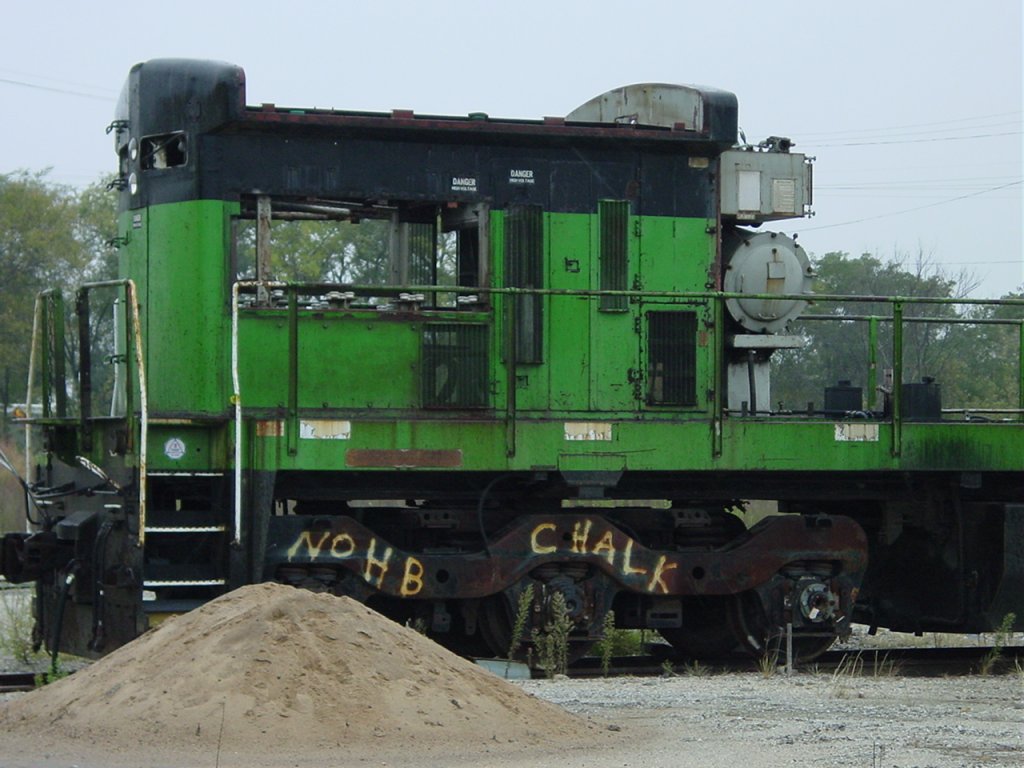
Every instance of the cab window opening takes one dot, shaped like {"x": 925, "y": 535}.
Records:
{"x": 365, "y": 243}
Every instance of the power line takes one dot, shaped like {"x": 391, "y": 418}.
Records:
{"x": 911, "y": 210}
{"x": 922, "y": 187}
{"x": 934, "y": 188}
{"x": 878, "y": 170}
{"x": 907, "y": 196}
{"x": 66, "y": 91}
{"x": 939, "y": 190}
{"x": 32, "y": 76}
{"x": 916, "y": 141}
{"x": 875, "y": 182}
{"x": 854, "y": 131}
{"x": 986, "y": 263}
{"x": 929, "y": 133}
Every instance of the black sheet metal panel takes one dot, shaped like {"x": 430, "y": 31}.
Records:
{"x": 172, "y": 96}
{"x": 1009, "y": 598}
{"x": 230, "y": 150}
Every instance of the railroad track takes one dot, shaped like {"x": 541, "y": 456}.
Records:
{"x": 11, "y": 682}
{"x": 880, "y": 662}
{"x": 868, "y": 662}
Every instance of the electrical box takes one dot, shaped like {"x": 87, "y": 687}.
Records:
{"x": 761, "y": 186}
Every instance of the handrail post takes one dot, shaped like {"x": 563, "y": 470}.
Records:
{"x": 1020, "y": 372}
{"x": 897, "y": 377}
{"x": 718, "y": 398}
{"x": 236, "y": 393}
{"x": 508, "y": 303}
{"x": 37, "y": 312}
{"x": 60, "y": 389}
{"x": 84, "y": 368}
{"x": 292, "y": 424}
{"x": 872, "y": 398}
{"x": 45, "y": 363}
{"x": 236, "y": 399}
{"x": 140, "y": 369}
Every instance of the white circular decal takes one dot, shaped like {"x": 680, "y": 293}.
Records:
{"x": 174, "y": 448}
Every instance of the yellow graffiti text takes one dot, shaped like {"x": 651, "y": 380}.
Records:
{"x": 535, "y": 545}
{"x": 374, "y": 564}
{"x": 412, "y": 579}
{"x": 659, "y": 571}
{"x": 586, "y": 538}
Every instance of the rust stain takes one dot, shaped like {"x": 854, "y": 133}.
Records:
{"x": 269, "y": 428}
{"x": 404, "y": 457}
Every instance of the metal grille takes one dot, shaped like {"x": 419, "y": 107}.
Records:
{"x": 672, "y": 358}
{"x": 524, "y": 268}
{"x": 613, "y": 217}
{"x": 422, "y": 248}
{"x": 455, "y": 366}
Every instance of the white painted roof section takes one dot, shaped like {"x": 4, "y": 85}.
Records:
{"x": 657, "y": 104}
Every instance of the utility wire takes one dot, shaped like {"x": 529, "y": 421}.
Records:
{"x": 929, "y": 133}
{"x": 987, "y": 180}
{"x": 66, "y": 91}
{"x": 34, "y": 77}
{"x": 916, "y": 141}
{"x": 986, "y": 263}
{"x": 855, "y": 131}
{"x": 911, "y": 210}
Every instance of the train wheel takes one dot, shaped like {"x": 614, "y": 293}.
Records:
{"x": 758, "y": 637}
{"x": 469, "y": 646}
{"x": 707, "y": 632}
{"x": 497, "y": 623}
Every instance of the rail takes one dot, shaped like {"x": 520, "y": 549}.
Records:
{"x": 320, "y": 287}
{"x": 42, "y": 312}
{"x": 236, "y": 396}
{"x": 899, "y": 316}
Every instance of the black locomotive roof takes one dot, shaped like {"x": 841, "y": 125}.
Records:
{"x": 407, "y": 123}
{"x": 163, "y": 95}
{"x": 197, "y": 108}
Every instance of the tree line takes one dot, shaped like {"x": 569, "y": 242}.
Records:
{"x": 51, "y": 236}
{"x": 972, "y": 352}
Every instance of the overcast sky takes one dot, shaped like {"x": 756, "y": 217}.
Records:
{"x": 912, "y": 109}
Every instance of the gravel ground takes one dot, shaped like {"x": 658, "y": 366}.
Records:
{"x": 804, "y": 720}
{"x": 702, "y": 720}
{"x": 713, "y": 721}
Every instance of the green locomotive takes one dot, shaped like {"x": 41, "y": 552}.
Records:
{"x": 433, "y": 362}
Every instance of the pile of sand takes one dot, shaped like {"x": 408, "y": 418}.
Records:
{"x": 273, "y": 669}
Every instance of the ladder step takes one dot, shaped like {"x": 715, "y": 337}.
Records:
{"x": 184, "y": 583}
{"x": 184, "y": 474}
{"x": 186, "y": 529}
{"x": 185, "y": 518}
{"x": 156, "y": 605}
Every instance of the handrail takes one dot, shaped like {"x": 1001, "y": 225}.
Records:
{"x": 143, "y": 406}
{"x": 131, "y": 295}
{"x": 36, "y": 312}
{"x": 915, "y": 319}
{"x": 636, "y": 293}
{"x": 236, "y": 397}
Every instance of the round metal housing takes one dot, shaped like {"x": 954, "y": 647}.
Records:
{"x": 764, "y": 263}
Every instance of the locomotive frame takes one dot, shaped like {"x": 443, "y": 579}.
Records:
{"x": 550, "y": 384}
